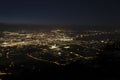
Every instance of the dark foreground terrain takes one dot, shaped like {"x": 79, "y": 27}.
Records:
{"x": 105, "y": 67}
{"x": 72, "y": 72}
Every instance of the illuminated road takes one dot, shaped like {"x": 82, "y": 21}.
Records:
{"x": 45, "y": 60}
{"x": 3, "y": 73}
{"x": 13, "y": 44}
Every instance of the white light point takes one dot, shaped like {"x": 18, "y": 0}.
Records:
{"x": 59, "y": 53}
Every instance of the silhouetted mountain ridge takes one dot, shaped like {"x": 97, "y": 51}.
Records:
{"x": 13, "y": 26}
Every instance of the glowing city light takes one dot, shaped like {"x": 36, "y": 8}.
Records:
{"x": 4, "y": 43}
{"x": 53, "y": 47}
{"x": 102, "y": 41}
{"x": 59, "y": 53}
{"x": 67, "y": 47}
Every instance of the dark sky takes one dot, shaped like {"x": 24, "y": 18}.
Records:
{"x": 83, "y": 12}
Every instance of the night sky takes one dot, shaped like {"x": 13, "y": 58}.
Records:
{"x": 83, "y": 12}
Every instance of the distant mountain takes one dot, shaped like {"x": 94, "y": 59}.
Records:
{"x": 11, "y": 26}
